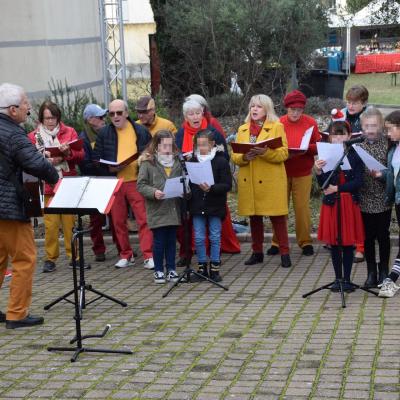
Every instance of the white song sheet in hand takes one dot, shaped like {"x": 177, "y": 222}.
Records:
{"x": 370, "y": 162}
{"x": 85, "y": 193}
{"x": 173, "y": 188}
{"x": 331, "y": 153}
{"x": 200, "y": 172}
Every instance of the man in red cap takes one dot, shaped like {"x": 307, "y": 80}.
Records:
{"x": 298, "y": 168}
{"x": 146, "y": 111}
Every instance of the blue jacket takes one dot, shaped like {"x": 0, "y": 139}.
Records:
{"x": 106, "y": 146}
{"x": 219, "y": 139}
{"x": 392, "y": 191}
{"x": 353, "y": 179}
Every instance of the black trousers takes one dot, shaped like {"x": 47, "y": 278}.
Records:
{"x": 376, "y": 228}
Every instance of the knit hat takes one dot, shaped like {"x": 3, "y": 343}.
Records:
{"x": 295, "y": 99}
{"x": 337, "y": 115}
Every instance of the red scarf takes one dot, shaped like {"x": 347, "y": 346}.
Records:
{"x": 188, "y": 134}
{"x": 255, "y": 129}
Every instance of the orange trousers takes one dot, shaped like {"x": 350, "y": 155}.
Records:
{"x": 17, "y": 243}
{"x": 300, "y": 189}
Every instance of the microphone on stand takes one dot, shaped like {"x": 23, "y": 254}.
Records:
{"x": 356, "y": 140}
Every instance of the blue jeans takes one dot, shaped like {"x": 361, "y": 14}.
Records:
{"x": 164, "y": 244}
{"x": 214, "y": 236}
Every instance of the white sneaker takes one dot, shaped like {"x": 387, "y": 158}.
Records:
{"x": 148, "y": 264}
{"x": 388, "y": 288}
{"x": 124, "y": 263}
{"x": 159, "y": 277}
{"x": 172, "y": 276}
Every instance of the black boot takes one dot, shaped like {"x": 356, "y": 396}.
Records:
{"x": 371, "y": 281}
{"x": 202, "y": 270}
{"x": 214, "y": 271}
{"x": 286, "y": 262}
{"x": 383, "y": 272}
{"x": 272, "y": 251}
{"x": 255, "y": 258}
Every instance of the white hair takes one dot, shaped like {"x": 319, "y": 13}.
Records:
{"x": 10, "y": 95}
{"x": 191, "y": 105}
{"x": 200, "y": 99}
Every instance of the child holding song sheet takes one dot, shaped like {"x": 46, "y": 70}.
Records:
{"x": 391, "y": 177}
{"x": 346, "y": 184}
{"x": 375, "y": 212}
{"x": 207, "y": 204}
{"x": 158, "y": 163}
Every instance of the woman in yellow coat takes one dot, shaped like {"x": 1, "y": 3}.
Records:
{"x": 262, "y": 181}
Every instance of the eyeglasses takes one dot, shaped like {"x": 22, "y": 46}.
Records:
{"x": 114, "y": 113}
{"x": 52, "y": 118}
{"x": 144, "y": 111}
{"x": 11, "y": 105}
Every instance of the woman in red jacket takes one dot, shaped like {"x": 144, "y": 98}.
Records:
{"x": 51, "y": 132}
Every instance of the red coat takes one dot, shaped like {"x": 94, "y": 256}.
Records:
{"x": 65, "y": 135}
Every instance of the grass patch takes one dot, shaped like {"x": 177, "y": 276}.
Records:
{"x": 378, "y": 85}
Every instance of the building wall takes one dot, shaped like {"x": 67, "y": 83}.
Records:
{"x": 137, "y": 49}
{"x": 48, "y": 39}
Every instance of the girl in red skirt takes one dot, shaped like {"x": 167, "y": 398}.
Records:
{"x": 345, "y": 184}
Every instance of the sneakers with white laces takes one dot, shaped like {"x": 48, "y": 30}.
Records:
{"x": 172, "y": 276}
{"x": 388, "y": 288}
{"x": 159, "y": 277}
{"x": 124, "y": 263}
{"x": 148, "y": 264}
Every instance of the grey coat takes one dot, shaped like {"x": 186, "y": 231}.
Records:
{"x": 20, "y": 155}
{"x": 151, "y": 177}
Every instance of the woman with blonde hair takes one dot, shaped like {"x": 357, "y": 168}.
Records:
{"x": 262, "y": 181}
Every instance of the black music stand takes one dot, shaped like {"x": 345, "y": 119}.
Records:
{"x": 59, "y": 205}
{"x": 185, "y": 275}
{"x": 339, "y": 238}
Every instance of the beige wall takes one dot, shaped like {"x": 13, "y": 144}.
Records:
{"x": 59, "y": 39}
{"x": 137, "y": 48}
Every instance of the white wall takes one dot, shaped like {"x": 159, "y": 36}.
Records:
{"x": 45, "y": 39}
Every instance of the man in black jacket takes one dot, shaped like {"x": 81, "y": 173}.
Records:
{"x": 117, "y": 142}
{"x": 17, "y": 154}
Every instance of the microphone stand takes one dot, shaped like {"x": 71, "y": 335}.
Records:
{"x": 185, "y": 275}
{"x": 339, "y": 236}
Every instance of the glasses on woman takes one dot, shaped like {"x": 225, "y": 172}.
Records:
{"x": 52, "y": 118}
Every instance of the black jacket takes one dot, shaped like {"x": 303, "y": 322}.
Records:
{"x": 106, "y": 146}
{"x": 87, "y": 167}
{"x": 213, "y": 203}
{"x": 354, "y": 178}
{"x": 20, "y": 155}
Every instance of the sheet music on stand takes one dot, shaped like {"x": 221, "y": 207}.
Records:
{"x": 88, "y": 193}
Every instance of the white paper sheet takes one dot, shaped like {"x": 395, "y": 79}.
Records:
{"x": 305, "y": 141}
{"x": 331, "y": 153}
{"x": 200, "y": 172}
{"x": 173, "y": 188}
{"x": 370, "y": 162}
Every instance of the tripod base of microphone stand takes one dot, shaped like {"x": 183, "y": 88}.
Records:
{"x": 184, "y": 277}
{"x": 341, "y": 291}
{"x": 82, "y": 290}
{"x": 80, "y": 349}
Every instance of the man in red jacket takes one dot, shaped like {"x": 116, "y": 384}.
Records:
{"x": 298, "y": 168}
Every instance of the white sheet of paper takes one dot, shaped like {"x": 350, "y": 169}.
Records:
{"x": 331, "y": 153}
{"x": 173, "y": 188}
{"x": 98, "y": 193}
{"x": 305, "y": 141}
{"x": 200, "y": 172}
{"x": 370, "y": 162}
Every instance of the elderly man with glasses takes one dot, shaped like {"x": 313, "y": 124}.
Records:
{"x": 18, "y": 155}
{"x": 146, "y": 111}
{"x": 118, "y": 141}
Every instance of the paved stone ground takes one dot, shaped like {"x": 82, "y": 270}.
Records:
{"x": 259, "y": 340}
